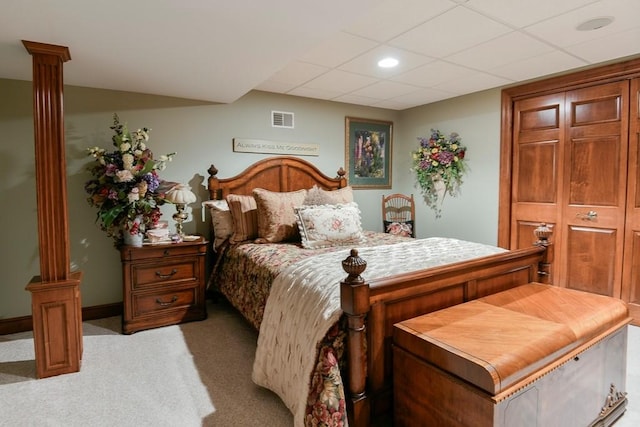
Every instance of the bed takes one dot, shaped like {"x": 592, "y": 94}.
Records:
{"x": 370, "y": 283}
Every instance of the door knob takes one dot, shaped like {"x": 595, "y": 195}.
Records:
{"x": 589, "y": 216}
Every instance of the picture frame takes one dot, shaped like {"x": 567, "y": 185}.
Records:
{"x": 368, "y": 148}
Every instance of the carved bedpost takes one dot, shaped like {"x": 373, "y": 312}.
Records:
{"x": 215, "y": 193}
{"x": 354, "y": 300}
{"x": 341, "y": 175}
{"x": 543, "y": 233}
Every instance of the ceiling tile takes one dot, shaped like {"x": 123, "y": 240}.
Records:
{"x": 502, "y": 50}
{"x": 339, "y": 81}
{"x": 337, "y": 50}
{"x": 615, "y": 45}
{"x": 297, "y": 73}
{"x": 523, "y": 13}
{"x": 477, "y": 82}
{"x": 355, "y": 99}
{"x": 385, "y": 89}
{"x": 367, "y": 63}
{"x": 434, "y": 73}
{"x": 451, "y": 32}
{"x": 314, "y": 93}
{"x": 394, "y": 17}
{"x": 422, "y": 97}
{"x": 274, "y": 86}
{"x": 542, "y": 65}
{"x": 561, "y": 31}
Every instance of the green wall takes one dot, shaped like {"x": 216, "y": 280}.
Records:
{"x": 202, "y": 135}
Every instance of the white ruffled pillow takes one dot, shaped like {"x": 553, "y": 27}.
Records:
{"x": 324, "y": 226}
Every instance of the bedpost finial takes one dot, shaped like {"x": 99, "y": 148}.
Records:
{"x": 213, "y": 171}
{"x": 543, "y": 232}
{"x": 341, "y": 172}
{"x": 353, "y": 265}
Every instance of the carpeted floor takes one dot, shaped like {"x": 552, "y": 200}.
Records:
{"x": 195, "y": 374}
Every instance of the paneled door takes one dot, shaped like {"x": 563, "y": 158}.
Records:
{"x": 595, "y": 187}
{"x": 570, "y": 152}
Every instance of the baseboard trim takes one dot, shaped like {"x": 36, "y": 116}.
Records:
{"x": 25, "y": 323}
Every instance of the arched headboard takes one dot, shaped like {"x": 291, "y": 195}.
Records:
{"x": 280, "y": 173}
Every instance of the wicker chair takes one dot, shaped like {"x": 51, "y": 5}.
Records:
{"x": 398, "y": 214}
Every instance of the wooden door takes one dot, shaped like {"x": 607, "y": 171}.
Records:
{"x": 631, "y": 264}
{"x": 570, "y": 172}
{"x": 538, "y": 153}
{"x": 594, "y": 187}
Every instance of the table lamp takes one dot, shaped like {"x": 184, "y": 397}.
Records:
{"x": 180, "y": 195}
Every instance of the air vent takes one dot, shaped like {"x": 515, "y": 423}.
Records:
{"x": 281, "y": 119}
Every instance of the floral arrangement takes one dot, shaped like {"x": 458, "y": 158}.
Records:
{"x": 439, "y": 164}
{"x": 125, "y": 186}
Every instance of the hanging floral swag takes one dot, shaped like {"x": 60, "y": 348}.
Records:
{"x": 439, "y": 164}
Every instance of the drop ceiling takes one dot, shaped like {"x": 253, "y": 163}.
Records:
{"x": 217, "y": 51}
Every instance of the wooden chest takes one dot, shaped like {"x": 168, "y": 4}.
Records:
{"x": 536, "y": 355}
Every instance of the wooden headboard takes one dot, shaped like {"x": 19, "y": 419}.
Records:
{"x": 280, "y": 173}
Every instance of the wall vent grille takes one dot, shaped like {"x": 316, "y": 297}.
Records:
{"x": 282, "y": 119}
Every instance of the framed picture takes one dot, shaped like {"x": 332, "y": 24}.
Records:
{"x": 368, "y": 152}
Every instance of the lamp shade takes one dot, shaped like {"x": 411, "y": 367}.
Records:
{"x": 181, "y": 194}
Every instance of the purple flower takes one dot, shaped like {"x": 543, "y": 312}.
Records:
{"x": 152, "y": 180}
{"x": 445, "y": 157}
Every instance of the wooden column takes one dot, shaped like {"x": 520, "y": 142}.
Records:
{"x": 55, "y": 293}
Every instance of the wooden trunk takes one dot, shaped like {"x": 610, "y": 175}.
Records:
{"x": 536, "y": 355}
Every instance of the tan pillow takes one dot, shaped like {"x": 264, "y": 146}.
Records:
{"x": 221, "y": 220}
{"x": 319, "y": 196}
{"x": 245, "y": 217}
{"x": 276, "y": 217}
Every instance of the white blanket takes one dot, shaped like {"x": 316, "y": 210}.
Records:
{"x": 304, "y": 303}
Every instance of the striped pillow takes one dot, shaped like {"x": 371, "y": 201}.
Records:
{"x": 244, "y": 214}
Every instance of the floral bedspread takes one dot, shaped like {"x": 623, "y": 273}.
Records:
{"x": 246, "y": 278}
{"x": 247, "y": 272}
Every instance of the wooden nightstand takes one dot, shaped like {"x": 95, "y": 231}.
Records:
{"x": 163, "y": 284}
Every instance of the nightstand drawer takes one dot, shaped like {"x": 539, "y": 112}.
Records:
{"x": 171, "y": 299}
{"x": 163, "y": 285}
{"x": 150, "y": 252}
{"x": 145, "y": 276}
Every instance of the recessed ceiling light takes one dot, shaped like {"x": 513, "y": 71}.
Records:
{"x": 388, "y": 62}
{"x": 595, "y": 23}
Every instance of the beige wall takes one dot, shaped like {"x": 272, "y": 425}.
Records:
{"x": 202, "y": 134}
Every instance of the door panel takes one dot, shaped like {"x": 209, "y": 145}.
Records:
{"x": 591, "y": 259}
{"x": 595, "y": 171}
{"x": 537, "y": 158}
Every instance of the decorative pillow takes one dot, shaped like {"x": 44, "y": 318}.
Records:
{"x": 322, "y": 226}
{"x": 319, "y": 196}
{"x": 221, "y": 221}
{"x": 399, "y": 228}
{"x": 244, "y": 214}
{"x": 276, "y": 217}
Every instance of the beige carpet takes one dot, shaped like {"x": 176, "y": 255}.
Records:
{"x": 195, "y": 374}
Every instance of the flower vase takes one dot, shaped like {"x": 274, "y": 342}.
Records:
{"x": 133, "y": 239}
{"x": 136, "y": 238}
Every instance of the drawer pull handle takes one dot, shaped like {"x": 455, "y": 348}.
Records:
{"x": 166, "y": 276}
{"x": 164, "y": 304}
{"x": 167, "y": 252}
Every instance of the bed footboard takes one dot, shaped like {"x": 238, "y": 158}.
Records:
{"x": 373, "y": 307}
